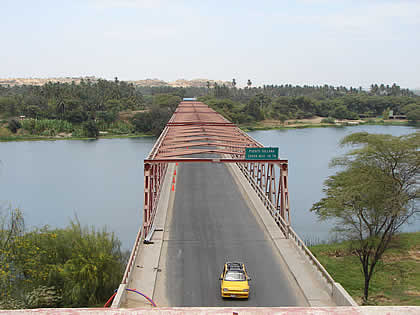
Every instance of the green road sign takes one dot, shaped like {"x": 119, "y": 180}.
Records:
{"x": 261, "y": 153}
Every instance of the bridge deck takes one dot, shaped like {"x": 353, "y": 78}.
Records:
{"x": 213, "y": 215}
{"x": 210, "y": 222}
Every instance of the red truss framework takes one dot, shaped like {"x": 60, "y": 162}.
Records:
{"x": 195, "y": 130}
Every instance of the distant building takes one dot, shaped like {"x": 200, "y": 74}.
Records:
{"x": 397, "y": 117}
{"x": 189, "y": 99}
{"x": 362, "y": 116}
{"x": 392, "y": 116}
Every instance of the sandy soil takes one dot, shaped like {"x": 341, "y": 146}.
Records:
{"x": 292, "y": 122}
{"x": 127, "y": 115}
{"x": 316, "y": 120}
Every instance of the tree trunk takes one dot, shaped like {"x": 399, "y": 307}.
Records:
{"x": 366, "y": 289}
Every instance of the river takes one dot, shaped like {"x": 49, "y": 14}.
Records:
{"x": 101, "y": 181}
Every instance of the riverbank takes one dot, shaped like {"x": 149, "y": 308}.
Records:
{"x": 315, "y": 122}
{"x": 396, "y": 280}
{"x": 42, "y": 138}
{"x": 320, "y": 122}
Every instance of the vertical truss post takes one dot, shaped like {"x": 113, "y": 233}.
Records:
{"x": 148, "y": 200}
{"x": 270, "y": 190}
{"x": 153, "y": 183}
{"x": 283, "y": 194}
{"x": 258, "y": 175}
{"x": 263, "y": 183}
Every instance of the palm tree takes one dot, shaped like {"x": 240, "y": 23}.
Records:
{"x": 61, "y": 108}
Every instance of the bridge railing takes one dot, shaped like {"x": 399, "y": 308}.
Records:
{"x": 133, "y": 256}
{"x": 286, "y": 228}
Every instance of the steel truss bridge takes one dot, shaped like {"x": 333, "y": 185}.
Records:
{"x": 200, "y": 140}
{"x": 195, "y": 130}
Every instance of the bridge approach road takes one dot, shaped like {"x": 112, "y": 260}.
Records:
{"x": 209, "y": 224}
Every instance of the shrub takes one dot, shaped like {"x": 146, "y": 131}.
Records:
{"x": 71, "y": 267}
{"x": 47, "y": 126}
{"x": 14, "y": 125}
{"x": 328, "y": 120}
{"x": 90, "y": 129}
{"x": 153, "y": 121}
{"x": 43, "y": 296}
{"x": 121, "y": 127}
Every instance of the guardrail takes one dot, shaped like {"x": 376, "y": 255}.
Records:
{"x": 140, "y": 237}
{"x": 136, "y": 248}
{"x": 290, "y": 233}
{"x": 133, "y": 256}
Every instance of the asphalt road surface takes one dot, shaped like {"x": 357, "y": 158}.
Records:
{"x": 210, "y": 224}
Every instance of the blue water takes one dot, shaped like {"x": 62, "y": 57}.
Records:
{"x": 101, "y": 181}
{"x": 309, "y": 152}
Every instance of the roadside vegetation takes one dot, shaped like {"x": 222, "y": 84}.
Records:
{"x": 85, "y": 110}
{"x": 286, "y": 105}
{"x": 374, "y": 193}
{"x": 74, "y": 266}
{"x": 396, "y": 280}
{"x": 116, "y": 108}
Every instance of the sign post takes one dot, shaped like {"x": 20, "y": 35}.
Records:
{"x": 261, "y": 153}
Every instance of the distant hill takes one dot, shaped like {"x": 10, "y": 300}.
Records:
{"x": 416, "y": 91}
{"x": 42, "y": 81}
{"x": 146, "y": 82}
{"x": 180, "y": 83}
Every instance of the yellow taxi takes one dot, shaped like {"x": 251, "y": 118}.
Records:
{"x": 234, "y": 281}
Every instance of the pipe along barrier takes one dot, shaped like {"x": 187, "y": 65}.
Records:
{"x": 132, "y": 290}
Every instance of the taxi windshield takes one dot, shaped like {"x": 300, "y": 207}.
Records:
{"x": 235, "y": 276}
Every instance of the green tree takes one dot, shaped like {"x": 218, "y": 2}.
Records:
{"x": 113, "y": 105}
{"x": 253, "y": 109}
{"x": 14, "y": 125}
{"x": 90, "y": 129}
{"x": 71, "y": 267}
{"x": 340, "y": 112}
{"x": 153, "y": 121}
{"x": 167, "y": 101}
{"x": 76, "y": 116}
{"x": 94, "y": 268}
{"x": 141, "y": 122}
{"x": 12, "y": 227}
{"x": 107, "y": 117}
{"x": 414, "y": 115}
{"x": 373, "y": 195}
{"x": 32, "y": 111}
{"x": 412, "y": 112}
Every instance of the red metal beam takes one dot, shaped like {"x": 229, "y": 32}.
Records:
{"x": 214, "y": 160}
{"x": 194, "y": 129}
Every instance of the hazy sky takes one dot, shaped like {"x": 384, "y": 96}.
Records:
{"x": 335, "y": 42}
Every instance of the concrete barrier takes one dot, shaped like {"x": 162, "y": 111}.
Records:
{"x": 139, "y": 248}
{"x": 337, "y": 293}
{"x": 341, "y": 297}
